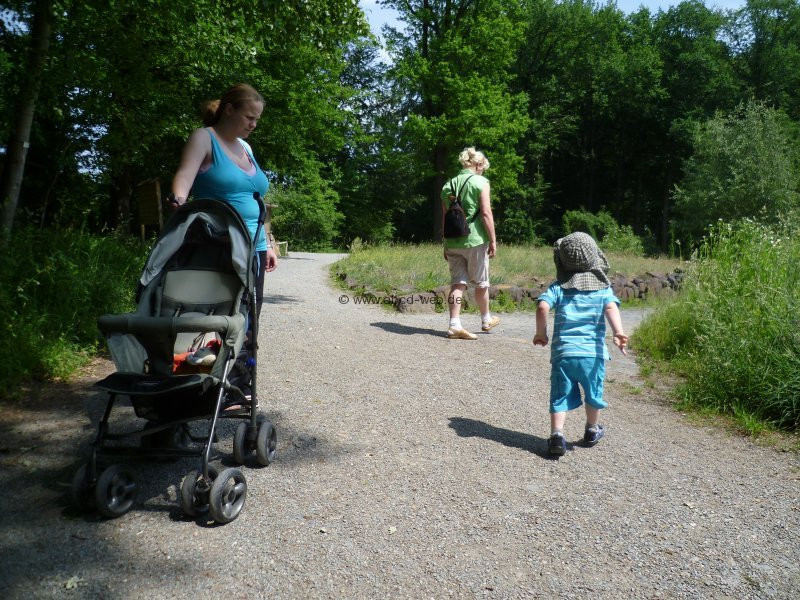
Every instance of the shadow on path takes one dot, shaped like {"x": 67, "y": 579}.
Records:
{"x": 407, "y": 330}
{"x": 513, "y": 439}
{"x": 280, "y": 299}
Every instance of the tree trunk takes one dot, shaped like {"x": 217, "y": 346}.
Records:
{"x": 121, "y": 193}
{"x": 439, "y": 161}
{"x": 19, "y": 139}
{"x": 666, "y": 205}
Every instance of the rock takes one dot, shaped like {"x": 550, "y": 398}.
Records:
{"x": 517, "y": 293}
{"x": 494, "y": 290}
{"x": 417, "y": 303}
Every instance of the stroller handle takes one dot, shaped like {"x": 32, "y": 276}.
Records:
{"x": 262, "y": 209}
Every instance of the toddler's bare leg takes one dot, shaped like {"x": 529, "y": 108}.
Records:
{"x": 557, "y": 421}
{"x": 592, "y": 415}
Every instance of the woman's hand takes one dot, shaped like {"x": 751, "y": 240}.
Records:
{"x": 272, "y": 260}
{"x": 174, "y": 202}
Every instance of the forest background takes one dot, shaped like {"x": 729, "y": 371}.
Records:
{"x": 576, "y": 104}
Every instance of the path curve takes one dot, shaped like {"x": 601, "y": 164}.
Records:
{"x": 414, "y": 466}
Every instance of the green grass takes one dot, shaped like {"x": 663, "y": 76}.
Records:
{"x": 422, "y": 267}
{"x": 733, "y": 332}
{"x": 53, "y": 286}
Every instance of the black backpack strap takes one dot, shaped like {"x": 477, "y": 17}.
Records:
{"x": 458, "y": 197}
{"x": 454, "y": 194}
{"x": 461, "y": 189}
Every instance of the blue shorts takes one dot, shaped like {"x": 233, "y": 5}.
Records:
{"x": 565, "y": 376}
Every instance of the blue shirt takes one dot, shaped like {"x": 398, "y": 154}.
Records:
{"x": 225, "y": 180}
{"x": 579, "y": 327}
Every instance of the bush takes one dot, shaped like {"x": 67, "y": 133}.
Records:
{"x": 596, "y": 225}
{"x": 734, "y": 331}
{"x": 745, "y": 165}
{"x": 53, "y": 286}
{"x": 622, "y": 239}
{"x": 611, "y": 236}
{"x": 306, "y": 217}
{"x": 515, "y": 227}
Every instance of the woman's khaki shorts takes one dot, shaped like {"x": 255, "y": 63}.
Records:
{"x": 469, "y": 265}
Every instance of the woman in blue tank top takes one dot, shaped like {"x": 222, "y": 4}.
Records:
{"x": 218, "y": 163}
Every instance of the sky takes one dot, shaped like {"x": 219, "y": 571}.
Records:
{"x": 378, "y": 15}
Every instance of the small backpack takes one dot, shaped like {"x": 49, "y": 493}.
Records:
{"x": 455, "y": 223}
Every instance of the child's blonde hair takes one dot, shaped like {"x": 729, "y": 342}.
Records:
{"x": 470, "y": 157}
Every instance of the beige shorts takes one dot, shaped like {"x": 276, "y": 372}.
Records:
{"x": 469, "y": 265}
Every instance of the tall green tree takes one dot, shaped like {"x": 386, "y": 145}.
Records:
{"x": 765, "y": 39}
{"x": 699, "y": 79}
{"x": 593, "y": 80}
{"x": 452, "y": 73}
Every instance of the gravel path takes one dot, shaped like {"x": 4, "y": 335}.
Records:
{"x": 412, "y": 466}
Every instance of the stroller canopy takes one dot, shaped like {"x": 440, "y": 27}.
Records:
{"x": 218, "y": 219}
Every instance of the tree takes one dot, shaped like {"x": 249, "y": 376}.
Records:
{"x": 765, "y": 39}
{"x": 451, "y": 73}
{"x": 699, "y": 79}
{"x": 126, "y": 78}
{"x": 19, "y": 138}
{"x": 744, "y": 165}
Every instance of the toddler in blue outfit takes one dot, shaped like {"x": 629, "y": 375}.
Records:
{"x": 582, "y": 299}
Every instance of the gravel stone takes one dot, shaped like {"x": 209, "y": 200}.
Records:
{"x": 409, "y": 466}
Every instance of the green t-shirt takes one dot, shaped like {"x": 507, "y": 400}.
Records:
{"x": 471, "y": 201}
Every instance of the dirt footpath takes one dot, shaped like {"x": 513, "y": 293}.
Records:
{"x": 410, "y": 466}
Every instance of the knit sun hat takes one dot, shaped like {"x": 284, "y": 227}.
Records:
{"x": 580, "y": 264}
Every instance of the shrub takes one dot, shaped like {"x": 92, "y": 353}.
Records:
{"x": 734, "y": 331}
{"x": 745, "y": 165}
{"x": 305, "y": 216}
{"x": 53, "y": 286}
{"x": 596, "y": 225}
{"x": 622, "y": 239}
{"x": 611, "y": 236}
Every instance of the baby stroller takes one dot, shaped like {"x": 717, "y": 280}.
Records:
{"x": 188, "y": 353}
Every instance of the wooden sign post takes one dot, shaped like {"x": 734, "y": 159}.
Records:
{"x": 148, "y": 199}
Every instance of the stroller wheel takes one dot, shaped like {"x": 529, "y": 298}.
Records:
{"x": 114, "y": 492}
{"x": 194, "y": 492}
{"x": 240, "y": 449}
{"x": 227, "y": 496}
{"x": 266, "y": 443}
{"x": 81, "y": 493}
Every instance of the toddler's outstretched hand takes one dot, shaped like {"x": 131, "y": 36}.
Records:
{"x": 540, "y": 339}
{"x": 621, "y": 341}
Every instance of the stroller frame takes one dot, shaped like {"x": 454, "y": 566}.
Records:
{"x": 143, "y": 344}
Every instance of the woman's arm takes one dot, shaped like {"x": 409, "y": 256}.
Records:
{"x": 488, "y": 218}
{"x": 197, "y": 149}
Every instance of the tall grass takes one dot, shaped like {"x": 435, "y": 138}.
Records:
{"x": 53, "y": 286}
{"x": 423, "y": 267}
{"x": 734, "y": 331}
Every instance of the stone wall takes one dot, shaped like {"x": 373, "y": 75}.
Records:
{"x": 642, "y": 287}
